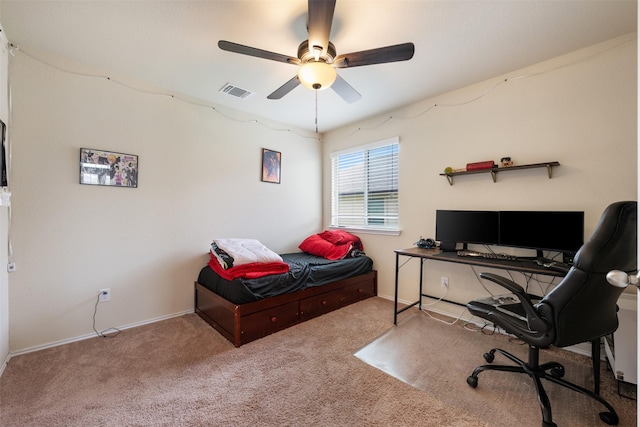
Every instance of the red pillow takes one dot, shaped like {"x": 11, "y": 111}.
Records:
{"x": 316, "y": 245}
{"x": 340, "y": 237}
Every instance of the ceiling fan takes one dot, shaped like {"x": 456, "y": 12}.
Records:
{"x": 317, "y": 56}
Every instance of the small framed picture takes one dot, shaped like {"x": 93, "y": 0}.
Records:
{"x": 98, "y": 167}
{"x": 271, "y": 161}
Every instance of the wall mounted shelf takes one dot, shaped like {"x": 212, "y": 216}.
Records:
{"x": 494, "y": 171}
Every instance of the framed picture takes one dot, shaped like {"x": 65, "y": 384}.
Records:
{"x": 271, "y": 165}
{"x": 99, "y": 167}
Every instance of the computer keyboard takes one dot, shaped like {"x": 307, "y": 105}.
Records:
{"x": 487, "y": 255}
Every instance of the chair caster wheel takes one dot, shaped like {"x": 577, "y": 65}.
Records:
{"x": 557, "y": 372}
{"x": 473, "y": 382}
{"x": 606, "y": 417}
{"x": 488, "y": 357}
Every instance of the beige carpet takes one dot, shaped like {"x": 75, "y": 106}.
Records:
{"x": 437, "y": 358}
{"x": 181, "y": 372}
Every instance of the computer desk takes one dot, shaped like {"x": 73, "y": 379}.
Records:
{"x": 522, "y": 265}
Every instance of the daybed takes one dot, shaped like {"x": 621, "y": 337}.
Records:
{"x": 243, "y": 310}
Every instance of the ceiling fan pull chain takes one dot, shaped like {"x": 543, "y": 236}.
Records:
{"x": 316, "y": 110}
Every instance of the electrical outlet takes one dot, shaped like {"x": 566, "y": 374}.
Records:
{"x": 11, "y": 267}
{"x": 444, "y": 282}
{"x": 105, "y": 295}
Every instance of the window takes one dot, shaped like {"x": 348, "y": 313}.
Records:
{"x": 364, "y": 187}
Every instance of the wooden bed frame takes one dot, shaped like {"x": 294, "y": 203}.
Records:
{"x": 244, "y": 323}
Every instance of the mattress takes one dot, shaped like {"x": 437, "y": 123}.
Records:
{"x": 305, "y": 271}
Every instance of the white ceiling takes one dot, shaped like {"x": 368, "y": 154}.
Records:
{"x": 172, "y": 45}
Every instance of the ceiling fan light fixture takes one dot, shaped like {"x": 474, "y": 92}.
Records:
{"x": 317, "y": 75}
{"x": 317, "y": 60}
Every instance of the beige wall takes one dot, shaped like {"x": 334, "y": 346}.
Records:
{"x": 199, "y": 178}
{"x": 579, "y": 109}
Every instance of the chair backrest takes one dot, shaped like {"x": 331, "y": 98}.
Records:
{"x": 583, "y": 305}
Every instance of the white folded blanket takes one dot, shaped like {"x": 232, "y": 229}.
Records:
{"x": 246, "y": 251}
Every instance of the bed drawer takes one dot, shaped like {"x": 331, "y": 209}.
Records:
{"x": 324, "y": 303}
{"x": 358, "y": 291}
{"x": 268, "y": 321}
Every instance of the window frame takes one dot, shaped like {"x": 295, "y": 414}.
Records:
{"x": 393, "y": 229}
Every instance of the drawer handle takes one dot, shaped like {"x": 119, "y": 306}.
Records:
{"x": 360, "y": 290}
{"x": 274, "y": 319}
{"x": 324, "y": 302}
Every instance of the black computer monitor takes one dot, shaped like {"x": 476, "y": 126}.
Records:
{"x": 561, "y": 231}
{"x": 457, "y": 226}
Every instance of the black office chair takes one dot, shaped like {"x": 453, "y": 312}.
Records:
{"x": 581, "y": 308}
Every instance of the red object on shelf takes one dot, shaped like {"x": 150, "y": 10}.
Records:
{"x": 480, "y": 165}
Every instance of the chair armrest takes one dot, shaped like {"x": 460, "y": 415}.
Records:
{"x": 505, "y": 283}
{"x": 535, "y": 322}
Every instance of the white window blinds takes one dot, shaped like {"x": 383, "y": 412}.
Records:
{"x": 364, "y": 187}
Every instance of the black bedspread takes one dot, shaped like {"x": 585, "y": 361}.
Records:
{"x": 305, "y": 271}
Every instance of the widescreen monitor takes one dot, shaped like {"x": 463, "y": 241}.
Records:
{"x": 456, "y": 226}
{"x": 561, "y": 231}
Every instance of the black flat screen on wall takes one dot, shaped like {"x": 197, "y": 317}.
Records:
{"x": 561, "y": 231}
{"x": 467, "y": 226}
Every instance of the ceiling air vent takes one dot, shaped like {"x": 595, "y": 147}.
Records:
{"x": 235, "y": 91}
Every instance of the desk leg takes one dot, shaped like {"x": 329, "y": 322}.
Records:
{"x": 395, "y": 301}
{"x": 395, "y": 307}
{"x": 595, "y": 362}
{"x": 420, "y": 293}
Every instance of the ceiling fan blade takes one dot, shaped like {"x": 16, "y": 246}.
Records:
{"x": 259, "y": 53}
{"x": 285, "y": 88}
{"x": 320, "y": 19}
{"x": 344, "y": 89}
{"x": 398, "y": 52}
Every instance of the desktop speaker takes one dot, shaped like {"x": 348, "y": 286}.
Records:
{"x": 448, "y": 246}
{"x": 567, "y": 257}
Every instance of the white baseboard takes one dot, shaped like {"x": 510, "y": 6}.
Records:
{"x": 87, "y": 336}
{"x": 4, "y": 364}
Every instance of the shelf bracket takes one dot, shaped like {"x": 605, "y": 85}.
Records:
{"x": 549, "y": 169}
{"x": 493, "y": 175}
{"x": 450, "y": 179}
